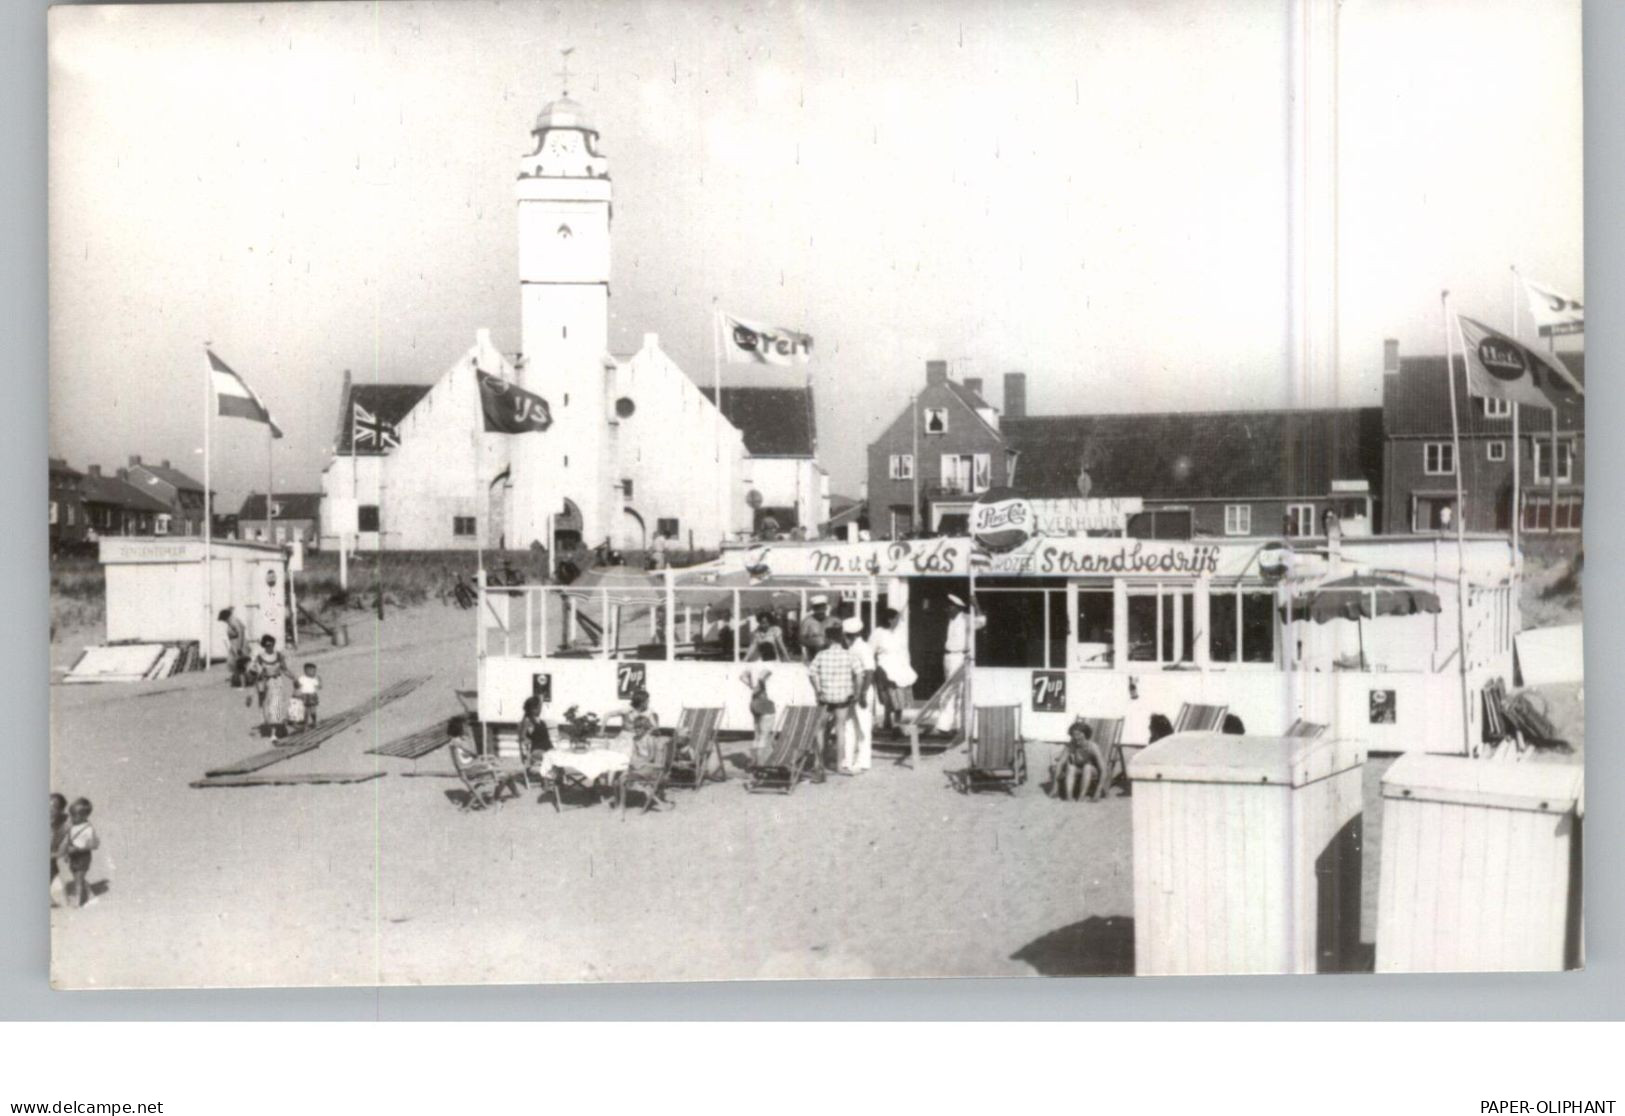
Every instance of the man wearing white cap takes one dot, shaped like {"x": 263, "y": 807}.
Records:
{"x": 863, "y": 713}
{"x": 812, "y": 631}
{"x": 960, "y": 633}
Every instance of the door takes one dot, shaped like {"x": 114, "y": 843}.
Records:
{"x": 928, "y": 628}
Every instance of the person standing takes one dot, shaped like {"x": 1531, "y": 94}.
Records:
{"x": 863, "y": 709}
{"x": 961, "y": 630}
{"x": 812, "y": 633}
{"x": 236, "y": 645}
{"x": 836, "y": 679}
{"x": 272, "y": 680}
{"x": 894, "y": 673}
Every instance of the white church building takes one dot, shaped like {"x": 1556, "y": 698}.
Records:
{"x": 635, "y": 446}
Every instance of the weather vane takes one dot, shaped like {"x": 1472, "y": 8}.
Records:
{"x": 564, "y": 72}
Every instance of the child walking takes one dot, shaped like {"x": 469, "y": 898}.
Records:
{"x": 308, "y": 691}
{"x": 81, "y": 842}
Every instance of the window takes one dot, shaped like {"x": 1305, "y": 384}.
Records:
{"x": 1565, "y": 461}
{"x": 1497, "y": 408}
{"x": 1161, "y": 625}
{"x": 936, "y": 420}
{"x": 1238, "y": 519}
{"x": 1241, "y": 627}
{"x": 1496, "y": 451}
{"x": 902, "y": 466}
{"x": 902, "y": 522}
{"x": 160, "y": 526}
{"x": 626, "y": 487}
{"x": 1300, "y": 521}
{"x": 1438, "y": 459}
{"x": 53, "y": 513}
{"x": 462, "y": 526}
{"x": 667, "y": 527}
{"x": 366, "y": 517}
{"x": 967, "y": 472}
{"x": 1097, "y": 625}
{"x": 1025, "y": 628}
{"x": 1537, "y": 512}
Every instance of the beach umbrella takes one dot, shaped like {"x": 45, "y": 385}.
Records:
{"x": 1359, "y": 598}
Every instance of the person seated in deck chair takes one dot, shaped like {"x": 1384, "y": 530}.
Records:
{"x": 1079, "y": 771}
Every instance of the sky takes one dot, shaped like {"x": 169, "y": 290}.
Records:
{"x": 1093, "y": 193}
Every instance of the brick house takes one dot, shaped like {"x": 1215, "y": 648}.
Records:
{"x": 927, "y": 466}
{"x": 1419, "y": 466}
{"x": 115, "y": 507}
{"x": 1210, "y": 474}
{"x": 182, "y": 494}
{"x": 69, "y": 524}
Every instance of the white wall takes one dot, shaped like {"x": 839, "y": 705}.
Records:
{"x": 341, "y": 480}
{"x": 669, "y": 450}
{"x": 796, "y": 482}
{"x": 431, "y": 478}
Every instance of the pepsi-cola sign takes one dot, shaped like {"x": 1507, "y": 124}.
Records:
{"x": 1001, "y": 520}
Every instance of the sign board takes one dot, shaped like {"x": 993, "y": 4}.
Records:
{"x": 1001, "y": 520}
{"x": 541, "y": 685}
{"x": 1049, "y": 691}
{"x": 1080, "y": 516}
{"x": 1037, "y": 557}
{"x": 630, "y": 678}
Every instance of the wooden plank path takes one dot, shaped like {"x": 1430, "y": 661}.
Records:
{"x": 415, "y": 746}
{"x": 311, "y": 739}
{"x": 289, "y": 780}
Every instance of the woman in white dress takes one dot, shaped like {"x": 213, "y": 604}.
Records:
{"x": 894, "y": 673}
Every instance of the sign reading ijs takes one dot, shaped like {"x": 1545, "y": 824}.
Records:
{"x": 1001, "y": 519}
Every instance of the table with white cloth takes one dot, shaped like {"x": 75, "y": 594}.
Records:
{"x": 589, "y": 766}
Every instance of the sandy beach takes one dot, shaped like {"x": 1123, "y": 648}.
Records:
{"x": 888, "y": 874}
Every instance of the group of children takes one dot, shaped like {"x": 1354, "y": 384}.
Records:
{"x": 73, "y": 839}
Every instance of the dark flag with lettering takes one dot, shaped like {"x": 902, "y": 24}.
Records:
{"x": 1500, "y": 368}
{"x": 510, "y": 409}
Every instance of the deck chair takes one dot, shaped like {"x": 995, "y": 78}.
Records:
{"x": 693, "y": 743}
{"x": 998, "y": 756}
{"x": 481, "y": 780}
{"x": 1107, "y": 734}
{"x": 1200, "y": 718}
{"x": 652, "y": 782}
{"x": 1306, "y": 730}
{"x": 792, "y": 749}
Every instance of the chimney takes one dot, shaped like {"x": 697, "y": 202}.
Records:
{"x": 135, "y": 459}
{"x": 974, "y": 383}
{"x": 95, "y": 470}
{"x": 1390, "y": 356}
{"x": 936, "y": 372}
{"x": 124, "y": 474}
{"x": 1015, "y": 395}
{"x": 166, "y": 462}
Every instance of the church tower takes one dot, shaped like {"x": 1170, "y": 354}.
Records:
{"x": 564, "y": 212}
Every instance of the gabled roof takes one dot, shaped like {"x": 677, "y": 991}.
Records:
{"x": 175, "y": 477}
{"x": 972, "y": 400}
{"x": 389, "y": 402}
{"x": 111, "y": 490}
{"x": 290, "y": 505}
{"x": 1197, "y": 455}
{"x": 775, "y": 422}
{"x": 61, "y": 468}
{"x": 1415, "y": 402}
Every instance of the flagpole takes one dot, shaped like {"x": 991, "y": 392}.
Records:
{"x": 1551, "y": 347}
{"x": 1517, "y": 444}
{"x": 914, "y": 470}
{"x": 208, "y": 511}
{"x": 1461, "y": 538}
{"x": 716, "y": 390}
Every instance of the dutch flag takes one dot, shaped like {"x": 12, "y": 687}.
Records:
{"x": 237, "y": 399}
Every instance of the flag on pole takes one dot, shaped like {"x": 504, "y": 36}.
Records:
{"x": 1554, "y": 312}
{"x": 237, "y": 399}
{"x": 509, "y": 409}
{"x": 748, "y": 343}
{"x": 373, "y": 431}
{"x": 1500, "y": 368}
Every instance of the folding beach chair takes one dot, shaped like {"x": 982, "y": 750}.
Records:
{"x": 652, "y": 782}
{"x": 792, "y": 749}
{"x": 998, "y": 756}
{"x": 1306, "y": 730}
{"x": 482, "y": 781}
{"x": 1200, "y": 718}
{"x": 694, "y": 742}
{"x": 1107, "y": 734}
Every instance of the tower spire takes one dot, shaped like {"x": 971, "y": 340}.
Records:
{"x": 564, "y": 70}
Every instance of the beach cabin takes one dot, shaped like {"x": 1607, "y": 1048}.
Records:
{"x": 156, "y": 592}
{"x": 1075, "y": 626}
